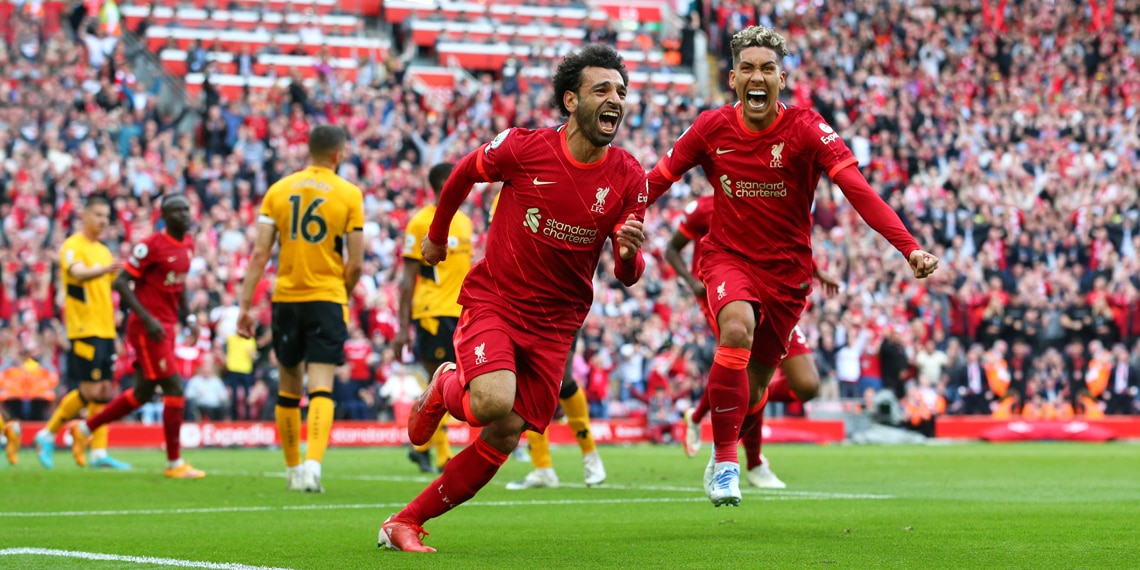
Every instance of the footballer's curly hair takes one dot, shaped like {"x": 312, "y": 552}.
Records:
{"x": 568, "y": 76}
{"x": 758, "y": 36}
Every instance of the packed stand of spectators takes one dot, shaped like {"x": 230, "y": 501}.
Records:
{"x": 1005, "y": 137}
{"x": 668, "y": 46}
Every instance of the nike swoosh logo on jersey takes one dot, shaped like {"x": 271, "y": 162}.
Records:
{"x": 172, "y": 259}
{"x": 539, "y": 183}
{"x": 725, "y": 150}
{"x": 721, "y": 411}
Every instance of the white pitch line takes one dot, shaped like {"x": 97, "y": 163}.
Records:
{"x": 133, "y": 559}
{"x": 662, "y": 488}
{"x": 358, "y": 506}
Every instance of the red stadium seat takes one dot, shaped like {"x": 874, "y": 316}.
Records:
{"x": 490, "y": 57}
{"x": 291, "y": 6}
{"x": 400, "y": 10}
{"x": 237, "y": 20}
{"x": 339, "y": 46}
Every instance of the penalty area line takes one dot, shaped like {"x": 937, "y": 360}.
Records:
{"x": 151, "y": 560}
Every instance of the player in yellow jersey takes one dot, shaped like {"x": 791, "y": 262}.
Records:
{"x": 429, "y": 294}
{"x": 577, "y": 410}
{"x": 87, "y": 270}
{"x": 319, "y": 218}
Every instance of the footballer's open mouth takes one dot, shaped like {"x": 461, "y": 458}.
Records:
{"x": 608, "y": 121}
{"x": 757, "y": 99}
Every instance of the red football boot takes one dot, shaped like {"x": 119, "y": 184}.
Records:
{"x": 400, "y": 535}
{"x": 428, "y": 410}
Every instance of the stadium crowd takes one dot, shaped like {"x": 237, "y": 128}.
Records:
{"x": 1004, "y": 135}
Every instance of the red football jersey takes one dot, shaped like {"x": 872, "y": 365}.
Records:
{"x": 159, "y": 265}
{"x": 694, "y": 224}
{"x": 765, "y": 183}
{"x": 552, "y": 221}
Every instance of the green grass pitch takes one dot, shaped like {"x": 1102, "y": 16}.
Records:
{"x": 948, "y": 506}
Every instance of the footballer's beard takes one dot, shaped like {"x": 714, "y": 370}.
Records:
{"x": 589, "y": 123}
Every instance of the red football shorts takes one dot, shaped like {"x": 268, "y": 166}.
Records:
{"x": 729, "y": 278}
{"x": 155, "y": 358}
{"x": 798, "y": 345}
{"x": 709, "y": 316}
{"x": 486, "y": 342}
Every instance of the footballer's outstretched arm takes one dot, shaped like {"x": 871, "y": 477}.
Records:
{"x": 883, "y": 219}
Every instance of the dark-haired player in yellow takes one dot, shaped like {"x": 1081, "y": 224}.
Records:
{"x": 319, "y": 218}
{"x": 429, "y": 294}
{"x": 87, "y": 270}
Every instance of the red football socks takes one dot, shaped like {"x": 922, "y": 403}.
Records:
{"x": 457, "y": 398}
{"x": 752, "y": 433}
{"x": 452, "y": 392}
{"x": 752, "y": 441}
{"x": 728, "y": 398}
{"x": 466, "y": 473}
{"x": 122, "y": 405}
{"x": 754, "y": 417}
{"x": 172, "y": 407}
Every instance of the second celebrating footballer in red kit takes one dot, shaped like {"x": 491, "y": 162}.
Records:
{"x": 764, "y": 159}
{"x": 565, "y": 192}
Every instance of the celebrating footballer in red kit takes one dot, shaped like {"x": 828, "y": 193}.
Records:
{"x": 764, "y": 160}
{"x": 566, "y": 191}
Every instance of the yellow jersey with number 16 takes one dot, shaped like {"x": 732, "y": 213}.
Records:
{"x": 313, "y": 210}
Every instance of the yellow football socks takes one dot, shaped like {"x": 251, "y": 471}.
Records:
{"x": 68, "y": 408}
{"x": 578, "y": 416}
{"x": 439, "y": 442}
{"x": 321, "y": 410}
{"x": 289, "y": 427}
{"x": 442, "y": 446}
{"x": 539, "y": 449}
{"x": 99, "y": 437}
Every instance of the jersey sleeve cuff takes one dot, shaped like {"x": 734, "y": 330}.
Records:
{"x": 263, "y": 219}
{"x": 835, "y": 169}
{"x": 132, "y": 270}
{"x": 479, "y": 163}
{"x": 685, "y": 232}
